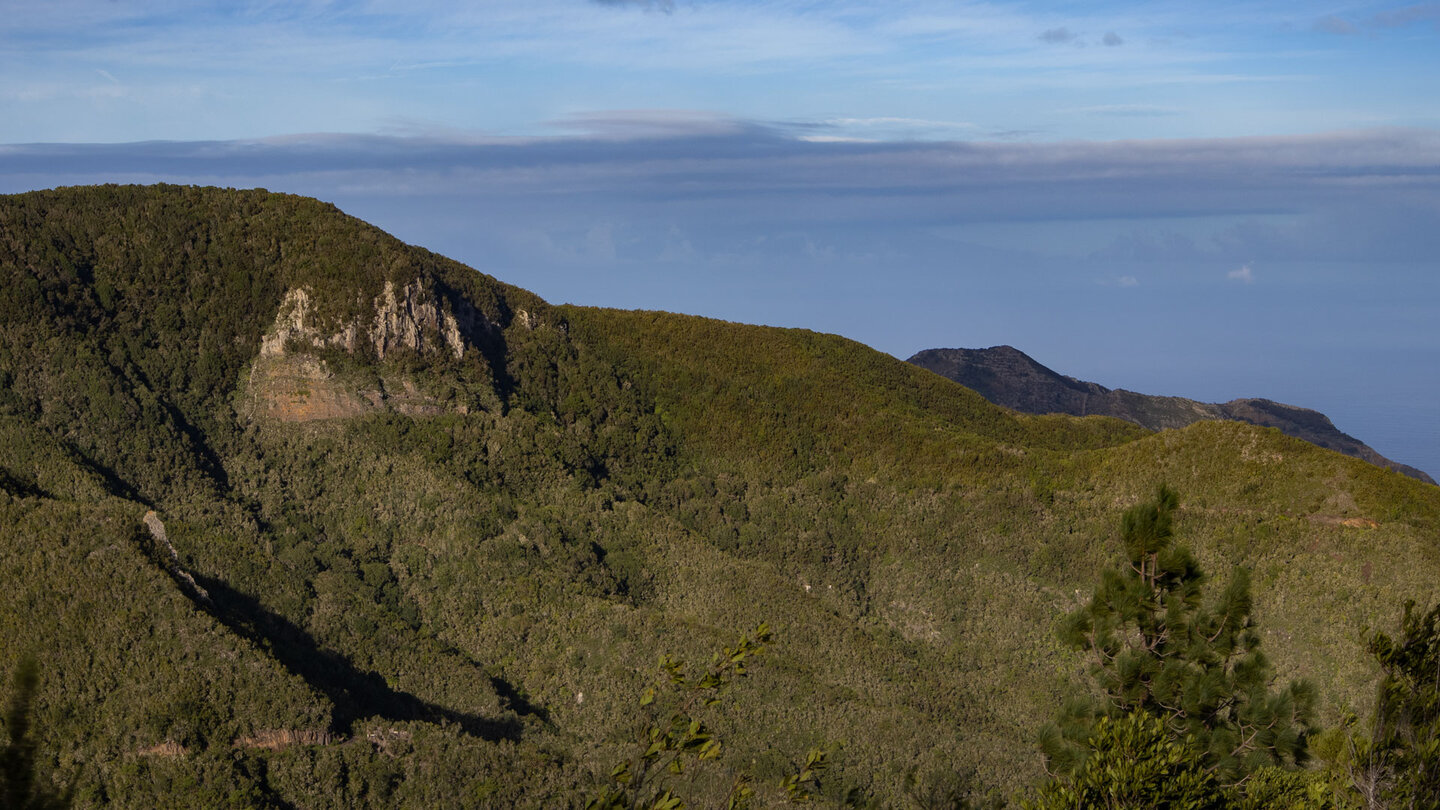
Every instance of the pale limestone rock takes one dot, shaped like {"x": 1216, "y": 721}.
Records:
{"x": 409, "y": 317}
{"x": 291, "y": 384}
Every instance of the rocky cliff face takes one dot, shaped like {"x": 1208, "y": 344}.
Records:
{"x": 290, "y": 381}
{"x": 414, "y": 318}
{"x": 1007, "y": 376}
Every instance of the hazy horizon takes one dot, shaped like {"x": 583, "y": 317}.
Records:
{"x": 1237, "y": 200}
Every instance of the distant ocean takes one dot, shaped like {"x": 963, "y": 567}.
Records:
{"x": 1405, "y": 432}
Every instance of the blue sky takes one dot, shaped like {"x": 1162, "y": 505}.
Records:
{"x": 1210, "y": 200}
{"x": 116, "y": 70}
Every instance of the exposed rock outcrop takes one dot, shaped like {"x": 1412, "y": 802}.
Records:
{"x": 414, "y": 317}
{"x": 412, "y": 320}
{"x": 291, "y": 382}
{"x": 172, "y": 557}
{"x": 301, "y": 388}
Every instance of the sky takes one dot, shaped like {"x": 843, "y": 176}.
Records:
{"x": 1212, "y": 200}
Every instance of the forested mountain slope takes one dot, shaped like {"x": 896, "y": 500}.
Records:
{"x": 418, "y": 537}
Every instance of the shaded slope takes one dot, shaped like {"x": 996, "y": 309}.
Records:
{"x": 1007, "y": 376}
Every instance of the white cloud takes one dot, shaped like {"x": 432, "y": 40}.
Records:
{"x": 1243, "y": 274}
{"x": 649, "y": 123}
{"x": 896, "y": 128}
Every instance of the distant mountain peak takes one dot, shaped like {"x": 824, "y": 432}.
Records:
{"x": 1009, "y": 377}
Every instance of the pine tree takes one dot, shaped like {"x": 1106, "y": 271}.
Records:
{"x": 1134, "y": 764}
{"x": 1407, "y": 716}
{"x": 1157, "y": 648}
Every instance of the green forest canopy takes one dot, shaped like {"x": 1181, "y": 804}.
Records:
{"x": 455, "y": 593}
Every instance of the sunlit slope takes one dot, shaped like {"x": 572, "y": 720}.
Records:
{"x": 760, "y": 391}
{"x": 443, "y": 530}
{"x": 952, "y": 504}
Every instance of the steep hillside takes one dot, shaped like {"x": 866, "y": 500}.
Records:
{"x": 1007, "y": 376}
{"x": 301, "y": 516}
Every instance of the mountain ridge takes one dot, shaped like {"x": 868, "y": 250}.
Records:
{"x": 450, "y": 587}
{"x": 1007, "y": 376}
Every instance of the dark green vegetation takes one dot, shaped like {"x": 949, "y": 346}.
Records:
{"x": 1399, "y": 762}
{"x": 1135, "y": 763}
{"x": 1158, "y": 649}
{"x": 1156, "y": 740}
{"x": 1007, "y": 376}
{"x": 21, "y": 786}
{"x": 419, "y": 538}
{"x": 675, "y": 741}
{"x": 1185, "y": 716}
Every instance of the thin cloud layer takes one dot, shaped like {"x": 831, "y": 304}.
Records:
{"x": 1396, "y": 18}
{"x": 666, "y": 6}
{"x": 1331, "y": 24}
{"x": 909, "y": 245}
{"x": 1285, "y": 194}
{"x": 90, "y": 70}
{"x": 1408, "y": 15}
